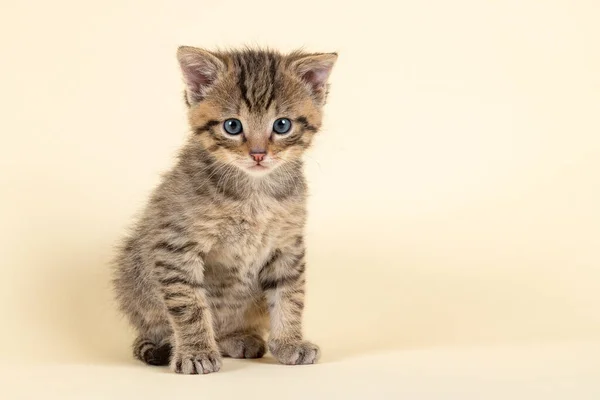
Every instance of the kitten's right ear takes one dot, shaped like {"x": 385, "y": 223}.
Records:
{"x": 200, "y": 71}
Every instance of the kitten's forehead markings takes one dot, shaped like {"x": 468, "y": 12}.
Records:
{"x": 242, "y": 84}
{"x": 256, "y": 79}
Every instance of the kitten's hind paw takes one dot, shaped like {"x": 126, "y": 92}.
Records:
{"x": 197, "y": 363}
{"x": 243, "y": 345}
{"x": 297, "y": 353}
{"x": 151, "y": 353}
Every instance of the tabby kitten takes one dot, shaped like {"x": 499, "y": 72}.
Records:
{"x": 218, "y": 256}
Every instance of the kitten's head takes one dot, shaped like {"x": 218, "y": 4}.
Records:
{"x": 255, "y": 109}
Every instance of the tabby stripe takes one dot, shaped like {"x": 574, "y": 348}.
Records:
{"x": 273, "y": 71}
{"x": 230, "y": 306}
{"x": 292, "y": 140}
{"x": 220, "y": 140}
{"x": 174, "y": 295}
{"x": 194, "y": 316}
{"x": 224, "y": 285}
{"x": 177, "y": 311}
{"x": 301, "y": 268}
{"x": 181, "y": 281}
{"x": 299, "y": 304}
{"x": 303, "y": 144}
{"x": 243, "y": 84}
{"x": 215, "y": 293}
{"x": 207, "y": 127}
{"x": 268, "y": 284}
{"x": 276, "y": 254}
{"x": 143, "y": 343}
{"x": 174, "y": 248}
{"x": 141, "y": 346}
{"x": 181, "y": 313}
{"x": 261, "y": 97}
{"x": 205, "y": 158}
{"x": 148, "y": 346}
{"x": 304, "y": 122}
{"x": 213, "y": 147}
{"x": 170, "y": 226}
{"x": 241, "y": 296}
{"x": 168, "y": 267}
{"x": 299, "y": 258}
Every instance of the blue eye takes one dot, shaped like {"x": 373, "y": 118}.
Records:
{"x": 282, "y": 125}
{"x": 233, "y": 126}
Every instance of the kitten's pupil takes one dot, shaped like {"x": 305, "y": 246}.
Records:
{"x": 233, "y": 126}
{"x": 282, "y": 125}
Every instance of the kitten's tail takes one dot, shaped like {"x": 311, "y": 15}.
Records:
{"x": 149, "y": 352}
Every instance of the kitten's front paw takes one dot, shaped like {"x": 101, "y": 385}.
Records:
{"x": 203, "y": 362}
{"x": 297, "y": 353}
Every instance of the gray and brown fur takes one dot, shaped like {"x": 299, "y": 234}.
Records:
{"x": 217, "y": 259}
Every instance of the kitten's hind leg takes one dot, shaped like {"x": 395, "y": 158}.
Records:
{"x": 244, "y": 334}
{"x": 242, "y": 345}
{"x": 151, "y": 351}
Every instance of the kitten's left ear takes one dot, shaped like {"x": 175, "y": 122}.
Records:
{"x": 314, "y": 70}
{"x": 200, "y": 69}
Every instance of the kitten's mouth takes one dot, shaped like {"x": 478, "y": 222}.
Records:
{"x": 258, "y": 167}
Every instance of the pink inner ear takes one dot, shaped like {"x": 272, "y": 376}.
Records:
{"x": 316, "y": 77}
{"x": 196, "y": 78}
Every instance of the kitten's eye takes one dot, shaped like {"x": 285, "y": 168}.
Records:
{"x": 282, "y": 125}
{"x": 233, "y": 126}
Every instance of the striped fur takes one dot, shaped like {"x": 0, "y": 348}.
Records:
{"x": 217, "y": 258}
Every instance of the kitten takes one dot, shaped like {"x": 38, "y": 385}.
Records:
{"x": 217, "y": 258}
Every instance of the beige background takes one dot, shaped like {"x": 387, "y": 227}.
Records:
{"x": 454, "y": 230}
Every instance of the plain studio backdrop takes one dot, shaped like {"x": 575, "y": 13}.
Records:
{"x": 455, "y": 186}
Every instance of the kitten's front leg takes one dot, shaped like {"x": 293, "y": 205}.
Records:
{"x": 180, "y": 273}
{"x": 283, "y": 281}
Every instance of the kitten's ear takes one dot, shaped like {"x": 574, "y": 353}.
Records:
{"x": 200, "y": 71}
{"x": 314, "y": 69}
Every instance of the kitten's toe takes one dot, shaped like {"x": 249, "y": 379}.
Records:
{"x": 197, "y": 363}
{"x": 298, "y": 353}
{"x": 243, "y": 346}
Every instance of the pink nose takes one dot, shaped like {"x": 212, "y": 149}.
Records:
{"x": 258, "y": 156}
